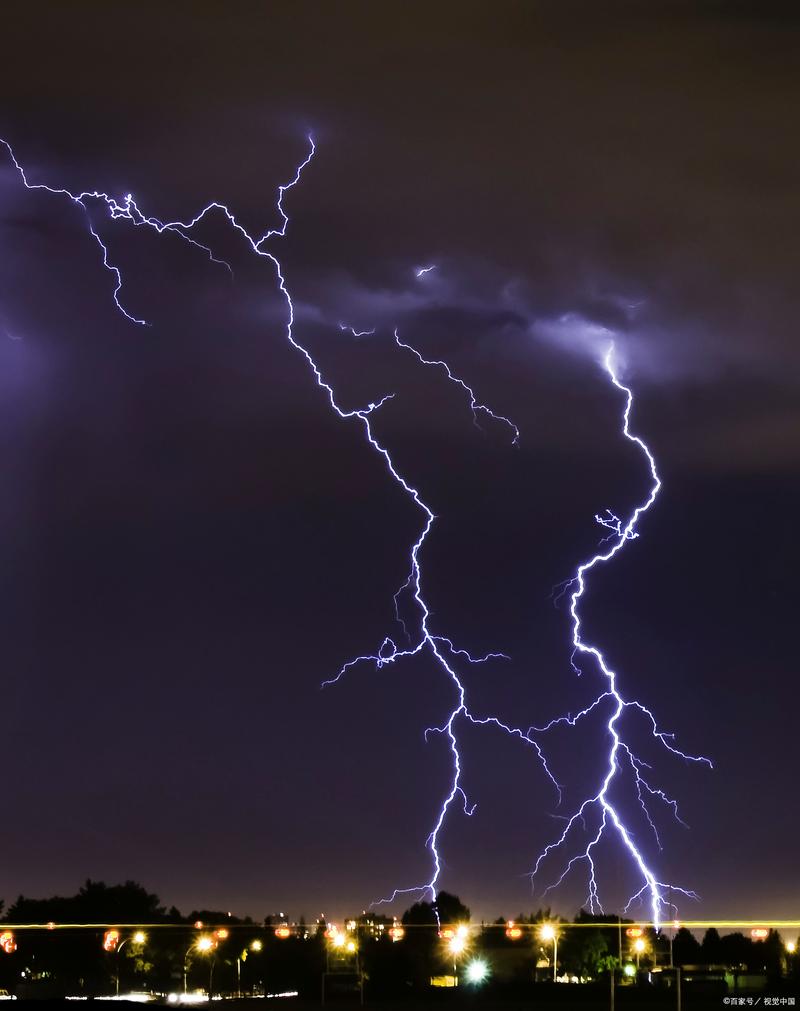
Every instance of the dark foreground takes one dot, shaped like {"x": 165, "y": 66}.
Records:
{"x": 561, "y": 998}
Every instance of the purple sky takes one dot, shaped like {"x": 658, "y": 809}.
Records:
{"x": 191, "y": 542}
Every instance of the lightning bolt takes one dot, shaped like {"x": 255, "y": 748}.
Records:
{"x": 476, "y": 407}
{"x": 620, "y": 758}
{"x": 445, "y": 654}
{"x": 442, "y": 649}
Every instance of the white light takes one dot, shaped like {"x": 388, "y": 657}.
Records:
{"x": 457, "y": 945}
{"x": 477, "y": 971}
{"x": 135, "y": 998}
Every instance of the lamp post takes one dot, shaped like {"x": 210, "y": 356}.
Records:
{"x": 255, "y": 945}
{"x": 791, "y": 949}
{"x": 638, "y": 947}
{"x": 203, "y": 944}
{"x": 456, "y": 946}
{"x": 549, "y": 933}
{"x": 138, "y": 938}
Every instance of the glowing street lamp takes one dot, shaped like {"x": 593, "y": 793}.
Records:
{"x": 547, "y": 932}
{"x": 139, "y": 937}
{"x": 203, "y": 944}
{"x": 254, "y": 945}
{"x": 639, "y": 946}
{"x": 477, "y": 971}
{"x": 457, "y": 945}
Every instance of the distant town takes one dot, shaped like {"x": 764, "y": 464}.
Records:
{"x": 120, "y": 941}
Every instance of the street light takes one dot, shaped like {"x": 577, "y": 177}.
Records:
{"x": 203, "y": 944}
{"x": 254, "y": 945}
{"x": 138, "y": 938}
{"x": 548, "y": 932}
{"x": 477, "y": 971}
{"x": 456, "y": 946}
{"x": 638, "y": 947}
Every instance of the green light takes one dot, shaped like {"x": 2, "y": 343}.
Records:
{"x": 630, "y": 970}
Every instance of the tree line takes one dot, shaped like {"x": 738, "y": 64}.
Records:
{"x": 270, "y": 957}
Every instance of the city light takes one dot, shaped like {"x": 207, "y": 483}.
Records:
{"x": 7, "y": 942}
{"x": 477, "y": 971}
{"x": 456, "y": 945}
{"x": 513, "y": 932}
{"x": 630, "y": 969}
{"x": 397, "y": 933}
{"x": 639, "y": 945}
{"x": 351, "y": 946}
{"x": 283, "y": 932}
{"x": 791, "y": 947}
{"x": 205, "y": 943}
{"x": 111, "y": 940}
{"x": 256, "y": 945}
{"x": 547, "y": 932}
{"x": 139, "y": 937}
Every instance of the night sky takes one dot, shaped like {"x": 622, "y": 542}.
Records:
{"x": 191, "y": 541}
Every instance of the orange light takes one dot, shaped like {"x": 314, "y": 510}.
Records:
{"x": 7, "y": 942}
{"x": 51, "y": 925}
{"x": 221, "y": 934}
{"x": 198, "y": 924}
{"x": 284, "y": 932}
{"x": 759, "y": 933}
{"x": 447, "y": 933}
{"x": 513, "y": 932}
{"x": 111, "y": 940}
{"x": 634, "y": 932}
{"x": 397, "y": 933}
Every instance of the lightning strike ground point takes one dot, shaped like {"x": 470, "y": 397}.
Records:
{"x": 620, "y": 757}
